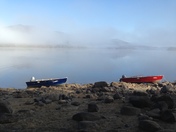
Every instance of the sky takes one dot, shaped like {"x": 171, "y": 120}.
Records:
{"x": 88, "y": 22}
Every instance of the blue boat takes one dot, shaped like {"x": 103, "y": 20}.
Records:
{"x": 45, "y": 82}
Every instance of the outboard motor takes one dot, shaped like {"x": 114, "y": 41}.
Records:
{"x": 123, "y": 76}
{"x": 32, "y": 79}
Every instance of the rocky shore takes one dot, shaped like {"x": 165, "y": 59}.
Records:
{"x": 96, "y": 107}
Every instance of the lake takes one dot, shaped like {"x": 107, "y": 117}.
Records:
{"x": 82, "y": 66}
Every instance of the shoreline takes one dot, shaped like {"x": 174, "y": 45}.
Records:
{"x": 99, "y": 106}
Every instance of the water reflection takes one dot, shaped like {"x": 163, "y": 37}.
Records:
{"x": 18, "y": 65}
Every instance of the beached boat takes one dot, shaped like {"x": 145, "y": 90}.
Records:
{"x": 142, "y": 79}
{"x": 45, "y": 82}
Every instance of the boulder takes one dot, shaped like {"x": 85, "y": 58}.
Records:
{"x": 7, "y": 118}
{"x": 128, "y": 110}
{"x": 100, "y": 84}
{"x": 140, "y": 101}
{"x": 168, "y": 99}
{"x": 166, "y": 130}
{"x": 88, "y": 126}
{"x": 168, "y": 116}
{"x": 109, "y": 99}
{"x": 117, "y": 96}
{"x": 155, "y": 113}
{"x": 162, "y": 105}
{"x": 85, "y": 116}
{"x": 5, "y": 107}
{"x": 75, "y": 103}
{"x": 139, "y": 93}
{"x": 92, "y": 107}
{"x": 149, "y": 126}
{"x": 167, "y": 89}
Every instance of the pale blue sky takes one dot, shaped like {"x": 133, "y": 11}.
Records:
{"x": 150, "y": 22}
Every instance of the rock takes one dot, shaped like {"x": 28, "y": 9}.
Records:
{"x": 100, "y": 84}
{"x": 85, "y": 116}
{"x": 112, "y": 130}
{"x": 140, "y": 101}
{"x": 105, "y": 89}
{"x": 169, "y": 88}
{"x": 53, "y": 97}
{"x": 139, "y": 93}
{"x": 38, "y": 99}
{"x": 128, "y": 110}
{"x": 63, "y": 130}
{"x": 7, "y": 118}
{"x": 88, "y": 126}
{"x": 5, "y": 107}
{"x": 168, "y": 116}
{"x": 153, "y": 91}
{"x": 40, "y": 103}
{"x": 155, "y": 113}
{"x": 144, "y": 117}
{"x": 167, "y": 99}
{"x": 75, "y": 103}
{"x": 166, "y": 130}
{"x": 92, "y": 107}
{"x": 47, "y": 101}
{"x": 29, "y": 102}
{"x": 162, "y": 105}
{"x": 88, "y": 96}
{"x": 109, "y": 99}
{"x": 62, "y": 102}
{"x": 149, "y": 126}
{"x": 115, "y": 84}
{"x": 64, "y": 97}
{"x": 117, "y": 96}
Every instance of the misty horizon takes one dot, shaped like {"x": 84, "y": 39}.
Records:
{"x": 31, "y": 36}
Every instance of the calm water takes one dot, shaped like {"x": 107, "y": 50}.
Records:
{"x": 82, "y": 66}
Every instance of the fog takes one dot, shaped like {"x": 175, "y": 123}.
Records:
{"x": 25, "y": 35}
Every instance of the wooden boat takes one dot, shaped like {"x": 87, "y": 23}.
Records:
{"x": 45, "y": 82}
{"x": 142, "y": 79}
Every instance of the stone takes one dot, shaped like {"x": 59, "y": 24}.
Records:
{"x": 139, "y": 93}
{"x": 168, "y": 99}
{"x": 117, "y": 96}
{"x": 140, "y": 101}
{"x": 109, "y": 99}
{"x": 5, "y": 107}
{"x": 92, "y": 107}
{"x": 7, "y": 118}
{"x": 162, "y": 105}
{"x": 85, "y": 116}
{"x": 166, "y": 130}
{"x": 168, "y": 116}
{"x": 100, "y": 84}
{"x": 131, "y": 111}
{"x": 149, "y": 126}
{"x": 87, "y": 126}
{"x": 75, "y": 103}
{"x": 155, "y": 113}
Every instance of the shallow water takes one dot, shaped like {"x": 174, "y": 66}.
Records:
{"x": 82, "y": 66}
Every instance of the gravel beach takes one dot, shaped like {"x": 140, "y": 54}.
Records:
{"x": 96, "y": 107}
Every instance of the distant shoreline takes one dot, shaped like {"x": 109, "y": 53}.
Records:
{"x": 69, "y": 46}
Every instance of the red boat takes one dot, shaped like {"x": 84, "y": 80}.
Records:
{"x": 142, "y": 79}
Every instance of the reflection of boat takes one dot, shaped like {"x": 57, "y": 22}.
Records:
{"x": 142, "y": 79}
{"x": 46, "y": 82}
